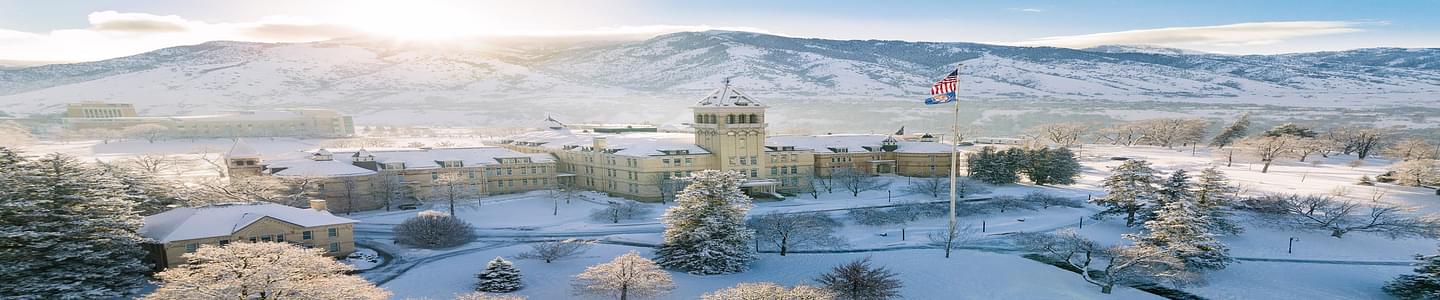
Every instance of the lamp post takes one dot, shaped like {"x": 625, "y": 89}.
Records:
{"x": 1291, "y": 248}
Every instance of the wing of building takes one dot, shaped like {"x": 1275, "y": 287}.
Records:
{"x": 183, "y": 230}
{"x": 304, "y": 122}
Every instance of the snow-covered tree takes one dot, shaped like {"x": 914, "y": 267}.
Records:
{"x": 705, "y": 231}
{"x": 1140, "y": 263}
{"x": 1130, "y": 190}
{"x": 995, "y": 166}
{"x": 1424, "y": 284}
{"x": 1061, "y": 134}
{"x": 1181, "y": 230}
{"x": 487, "y": 296}
{"x": 1051, "y": 166}
{"x": 1176, "y": 187}
{"x": 1291, "y": 129}
{"x": 769, "y": 291}
{"x": 1357, "y": 139}
{"x": 628, "y": 276}
{"x": 857, "y": 280}
{"x": 785, "y": 231}
{"x": 1232, "y": 133}
{"x": 1045, "y": 201}
{"x": 433, "y": 229}
{"x": 66, "y": 231}
{"x": 499, "y": 276}
{"x": 550, "y": 251}
{"x": 152, "y": 194}
{"x": 1417, "y": 172}
{"x": 263, "y": 270}
{"x": 1213, "y": 197}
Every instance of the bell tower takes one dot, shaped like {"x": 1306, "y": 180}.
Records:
{"x": 731, "y": 125}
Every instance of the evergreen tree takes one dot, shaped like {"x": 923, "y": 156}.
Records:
{"x": 1213, "y": 196}
{"x": 1130, "y": 190}
{"x": 69, "y": 232}
{"x": 705, "y": 231}
{"x": 1052, "y": 166}
{"x": 1424, "y": 284}
{"x": 153, "y": 195}
{"x": 1233, "y": 132}
{"x": 1176, "y": 188}
{"x": 500, "y": 276}
{"x": 1179, "y": 229}
{"x": 996, "y": 166}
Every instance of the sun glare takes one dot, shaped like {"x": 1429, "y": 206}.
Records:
{"x": 416, "y": 20}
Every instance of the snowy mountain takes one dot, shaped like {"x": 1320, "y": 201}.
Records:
{"x": 361, "y": 75}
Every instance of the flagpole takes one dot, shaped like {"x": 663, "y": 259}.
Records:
{"x": 954, "y": 162}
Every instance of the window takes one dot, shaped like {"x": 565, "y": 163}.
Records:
{"x": 253, "y": 239}
{"x": 434, "y": 175}
{"x": 754, "y": 173}
{"x": 334, "y": 247}
{"x": 191, "y": 247}
{"x": 665, "y": 161}
{"x": 224, "y": 242}
{"x": 333, "y": 232}
{"x": 305, "y": 235}
{"x": 774, "y": 171}
{"x": 472, "y": 174}
{"x": 689, "y": 161}
{"x": 280, "y": 238}
{"x": 265, "y": 238}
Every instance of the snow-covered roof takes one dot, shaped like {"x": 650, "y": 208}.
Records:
{"x": 628, "y": 144}
{"x": 189, "y": 223}
{"x": 241, "y": 149}
{"x": 855, "y": 143}
{"x": 727, "y": 96}
{"x": 343, "y": 164}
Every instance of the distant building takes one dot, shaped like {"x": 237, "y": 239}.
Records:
{"x": 183, "y": 230}
{"x": 292, "y": 122}
{"x": 359, "y": 179}
{"x": 729, "y": 132}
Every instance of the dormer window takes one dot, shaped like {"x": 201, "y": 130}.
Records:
{"x": 451, "y": 163}
{"x": 393, "y": 166}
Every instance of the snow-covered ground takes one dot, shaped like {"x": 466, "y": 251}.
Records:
{"x": 1321, "y": 267}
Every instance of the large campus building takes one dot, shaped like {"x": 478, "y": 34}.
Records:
{"x": 361, "y": 179}
{"x": 729, "y": 133}
{"x": 308, "y": 122}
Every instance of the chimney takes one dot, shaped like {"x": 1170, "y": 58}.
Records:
{"x": 599, "y": 143}
{"x": 317, "y": 204}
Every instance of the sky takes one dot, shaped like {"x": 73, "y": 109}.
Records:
{"x": 87, "y": 30}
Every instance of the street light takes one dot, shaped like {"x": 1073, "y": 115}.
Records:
{"x": 1291, "y": 248}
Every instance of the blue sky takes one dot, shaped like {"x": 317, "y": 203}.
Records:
{"x": 68, "y": 30}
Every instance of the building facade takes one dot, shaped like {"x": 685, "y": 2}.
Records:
{"x": 179, "y": 231}
{"x": 101, "y": 116}
{"x": 360, "y": 179}
{"x": 729, "y": 131}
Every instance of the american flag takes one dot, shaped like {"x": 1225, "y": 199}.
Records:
{"x": 945, "y": 85}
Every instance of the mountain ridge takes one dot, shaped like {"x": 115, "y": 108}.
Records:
{"x": 361, "y": 75}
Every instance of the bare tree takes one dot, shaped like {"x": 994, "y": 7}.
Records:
{"x": 619, "y": 210}
{"x": 953, "y": 237}
{"x": 1305, "y": 147}
{"x": 1170, "y": 132}
{"x": 1063, "y": 134}
{"x": 550, "y": 251}
{"x": 148, "y": 132}
{"x": 1139, "y": 263}
{"x": 433, "y": 229}
{"x": 451, "y": 186}
{"x": 213, "y": 158}
{"x": 931, "y": 185}
{"x": 152, "y": 163}
{"x": 1413, "y": 149}
{"x": 856, "y": 181}
{"x": 623, "y": 278}
{"x": 1007, "y": 202}
{"x": 826, "y": 183}
{"x": 668, "y": 186}
{"x": 1357, "y": 139}
{"x": 1126, "y": 134}
{"x": 1047, "y": 200}
{"x": 794, "y": 230}
{"x": 1341, "y": 217}
{"x": 859, "y": 281}
{"x": 392, "y": 188}
{"x": 1269, "y": 148}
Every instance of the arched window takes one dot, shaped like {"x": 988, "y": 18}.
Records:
{"x": 754, "y": 119}
{"x": 730, "y": 119}
{"x": 699, "y": 119}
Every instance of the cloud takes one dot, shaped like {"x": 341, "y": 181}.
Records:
{"x": 6, "y": 34}
{"x": 281, "y": 32}
{"x": 1027, "y": 9}
{"x": 136, "y": 22}
{"x": 1230, "y": 35}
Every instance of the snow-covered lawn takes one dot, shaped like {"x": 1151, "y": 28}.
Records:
{"x": 927, "y": 275}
